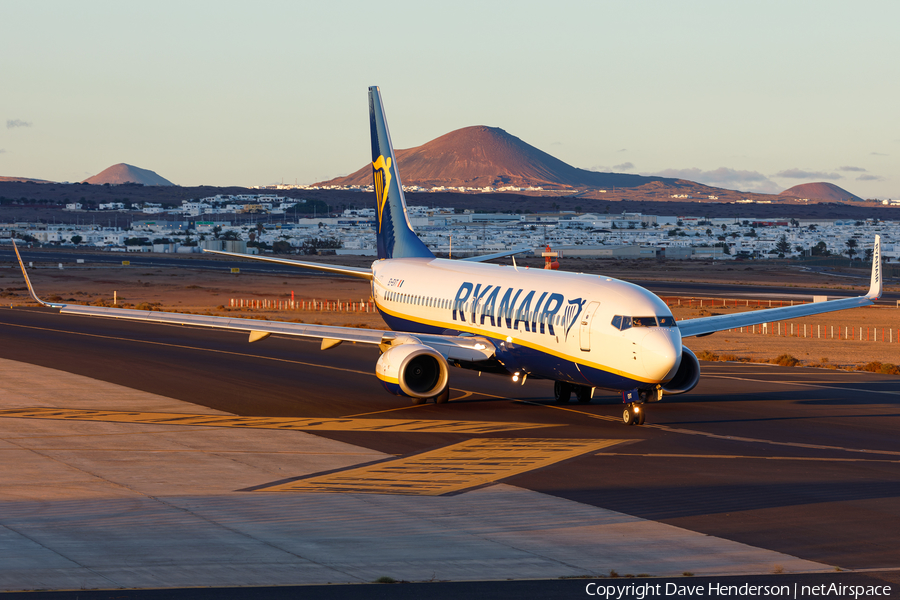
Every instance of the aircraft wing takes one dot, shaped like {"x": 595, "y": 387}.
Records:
{"x": 497, "y": 254}
{"x": 468, "y": 348}
{"x": 336, "y": 269}
{"x": 707, "y": 325}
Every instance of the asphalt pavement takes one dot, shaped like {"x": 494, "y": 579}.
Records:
{"x": 804, "y": 462}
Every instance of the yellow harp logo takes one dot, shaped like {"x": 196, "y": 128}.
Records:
{"x": 382, "y": 171}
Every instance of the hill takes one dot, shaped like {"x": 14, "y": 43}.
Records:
{"x": 24, "y": 179}
{"x": 821, "y": 191}
{"x": 483, "y": 156}
{"x": 123, "y": 173}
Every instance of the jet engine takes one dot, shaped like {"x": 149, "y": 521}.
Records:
{"x": 413, "y": 370}
{"x": 687, "y": 376}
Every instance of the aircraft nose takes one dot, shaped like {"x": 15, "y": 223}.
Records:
{"x": 661, "y": 353}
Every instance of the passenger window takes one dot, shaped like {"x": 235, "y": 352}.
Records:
{"x": 667, "y": 321}
{"x": 617, "y": 321}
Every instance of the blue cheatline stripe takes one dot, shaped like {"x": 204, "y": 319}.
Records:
{"x": 529, "y": 360}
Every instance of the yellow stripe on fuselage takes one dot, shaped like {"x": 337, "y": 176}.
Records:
{"x": 496, "y": 336}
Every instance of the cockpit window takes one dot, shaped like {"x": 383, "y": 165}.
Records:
{"x": 622, "y": 322}
{"x": 643, "y": 321}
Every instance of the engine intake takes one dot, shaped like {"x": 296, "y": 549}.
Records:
{"x": 413, "y": 370}
{"x": 687, "y": 376}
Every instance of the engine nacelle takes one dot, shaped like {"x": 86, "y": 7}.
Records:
{"x": 687, "y": 376}
{"x": 413, "y": 370}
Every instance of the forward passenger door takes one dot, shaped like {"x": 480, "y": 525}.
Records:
{"x": 584, "y": 328}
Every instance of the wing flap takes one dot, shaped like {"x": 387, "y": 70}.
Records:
{"x": 469, "y": 348}
{"x": 335, "y": 269}
{"x": 485, "y": 257}
{"x": 705, "y": 325}
{"x": 255, "y": 326}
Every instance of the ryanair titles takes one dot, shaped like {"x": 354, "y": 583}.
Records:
{"x": 481, "y": 304}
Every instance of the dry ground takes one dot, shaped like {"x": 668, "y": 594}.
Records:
{"x": 812, "y": 350}
{"x": 210, "y": 292}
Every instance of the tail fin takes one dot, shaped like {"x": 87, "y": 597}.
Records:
{"x": 396, "y": 239}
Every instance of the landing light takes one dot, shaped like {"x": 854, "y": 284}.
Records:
{"x": 479, "y": 346}
{"x": 515, "y": 377}
{"x": 637, "y": 409}
{"x": 509, "y": 339}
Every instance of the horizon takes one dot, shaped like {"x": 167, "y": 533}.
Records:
{"x": 753, "y": 97}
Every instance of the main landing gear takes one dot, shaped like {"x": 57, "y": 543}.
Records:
{"x": 441, "y": 398}
{"x": 562, "y": 392}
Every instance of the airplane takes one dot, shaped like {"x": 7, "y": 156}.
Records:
{"x": 583, "y": 332}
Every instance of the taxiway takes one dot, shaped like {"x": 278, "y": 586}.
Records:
{"x": 142, "y": 455}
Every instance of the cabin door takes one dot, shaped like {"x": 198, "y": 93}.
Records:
{"x": 585, "y": 325}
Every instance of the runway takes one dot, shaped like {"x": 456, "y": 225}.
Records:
{"x": 758, "y": 467}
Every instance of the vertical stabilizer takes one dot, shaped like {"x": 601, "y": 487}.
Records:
{"x": 396, "y": 239}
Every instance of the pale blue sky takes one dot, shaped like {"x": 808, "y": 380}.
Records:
{"x": 758, "y": 95}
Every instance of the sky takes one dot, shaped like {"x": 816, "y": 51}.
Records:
{"x": 752, "y": 95}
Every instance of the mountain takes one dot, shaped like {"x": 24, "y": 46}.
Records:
{"x": 483, "y": 156}
{"x": 820, "y": 191}
{"x": 122, "y": 173}
{"x": 24, "y": 180}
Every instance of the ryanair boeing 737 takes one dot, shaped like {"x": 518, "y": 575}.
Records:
{"x": 581, "y": 331}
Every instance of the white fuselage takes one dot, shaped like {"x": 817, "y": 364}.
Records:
{"x": 551, "y": 324}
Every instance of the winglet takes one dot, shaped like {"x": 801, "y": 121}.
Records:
{"x": 875, "y": 287}
{"x": 28, "y": 281}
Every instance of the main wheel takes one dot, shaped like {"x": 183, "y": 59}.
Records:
{"x": 628, "y": 417}
{"x": 583, "y": 394}
{"x": 443, "y": 397}
{"x": 562, "y": 392}
{"x": 641, "y": 414}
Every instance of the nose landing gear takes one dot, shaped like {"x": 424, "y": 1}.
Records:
{"x": 634, "y": 413}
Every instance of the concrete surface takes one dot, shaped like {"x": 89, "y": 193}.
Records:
{"x": 105, "y": 505}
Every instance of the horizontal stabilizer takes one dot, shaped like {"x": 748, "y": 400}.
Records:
{"x": 335, "y": 269}
{"x": 503, "y": 254}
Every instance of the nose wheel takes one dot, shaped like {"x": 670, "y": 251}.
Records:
{"x": 633, "y": 414}
{"x": 634, "y": 406}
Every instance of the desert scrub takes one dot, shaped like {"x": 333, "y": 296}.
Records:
{"x": 786, "y": 360}
{"x": 706, "y": 355}
{"x": 880, "y": 367}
